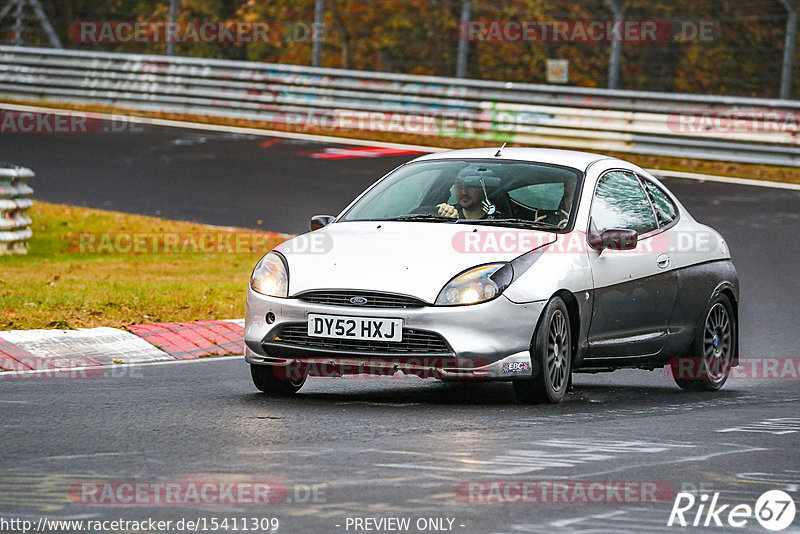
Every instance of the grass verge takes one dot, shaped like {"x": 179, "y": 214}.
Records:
{"x": 89, "y": 268}
{"x": 720, "y": 168}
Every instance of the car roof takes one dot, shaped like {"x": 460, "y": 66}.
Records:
{"x": 567, "y": 158}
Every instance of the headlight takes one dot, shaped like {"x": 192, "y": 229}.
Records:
{"x": 271, "y": 276}
{"x": 475, "y": 285}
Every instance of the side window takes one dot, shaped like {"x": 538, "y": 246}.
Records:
{"x": 620, "y": 202}
{"x": 665, "y": 209}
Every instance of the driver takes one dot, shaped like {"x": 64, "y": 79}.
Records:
{"x": 472, "y": 199}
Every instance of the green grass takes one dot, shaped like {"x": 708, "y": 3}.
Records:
{"x": 59, "y": 285}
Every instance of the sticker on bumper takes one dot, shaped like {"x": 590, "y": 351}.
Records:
{"x": 516, "y": 367}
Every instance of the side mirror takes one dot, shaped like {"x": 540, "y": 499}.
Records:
{"x": 318, "y": 221}
{"x": 614, "y": 240}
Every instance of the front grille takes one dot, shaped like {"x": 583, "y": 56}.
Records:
{"x": 414, "y": 342}
{"x": 374, "y": 300}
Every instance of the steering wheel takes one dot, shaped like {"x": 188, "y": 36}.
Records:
{"x": 563, "y": 222}
{"x": 536, "y": 217}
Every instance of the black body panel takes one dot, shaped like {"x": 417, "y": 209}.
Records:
{"x": 632, "y": 318}
{"x": 696, "y": 286}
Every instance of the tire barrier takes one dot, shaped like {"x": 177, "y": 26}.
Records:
{"x": 15, "y": 200}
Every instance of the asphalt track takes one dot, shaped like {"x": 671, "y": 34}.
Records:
{"x": 388, "y": 448}
{"x": 218, "y": 178}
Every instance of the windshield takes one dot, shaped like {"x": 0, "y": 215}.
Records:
{"x": 478, "y": 191}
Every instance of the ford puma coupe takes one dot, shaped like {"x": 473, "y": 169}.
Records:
{"x": 516, "y": 264}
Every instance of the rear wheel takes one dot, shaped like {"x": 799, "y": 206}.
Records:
{"x": 265, "y": 379}
{"x": 707, "y": 364}
{"x": 551, "y": 352}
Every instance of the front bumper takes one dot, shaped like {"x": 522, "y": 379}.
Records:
{"x": 487, "y": 341}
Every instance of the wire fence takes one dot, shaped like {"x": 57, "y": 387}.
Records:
{"x": 721, "y": 47}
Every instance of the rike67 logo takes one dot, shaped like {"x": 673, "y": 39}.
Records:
{"x": 774, "y": 510}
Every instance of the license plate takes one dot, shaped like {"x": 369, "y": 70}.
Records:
{"x": 344, "y": 327}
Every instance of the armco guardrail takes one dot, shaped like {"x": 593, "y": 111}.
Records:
{"x": 693, "y": 126}
{"x": 15, "y": 200}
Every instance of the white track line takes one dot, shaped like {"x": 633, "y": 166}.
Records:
{"x": 359, "y": 142}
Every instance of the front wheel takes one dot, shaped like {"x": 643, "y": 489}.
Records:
{"x": 551, "y": 352}
{"x": 266, "y": 380}
{"x": 707, "y": 364}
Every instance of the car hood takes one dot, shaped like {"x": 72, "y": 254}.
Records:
{"x": 409, "y": 258}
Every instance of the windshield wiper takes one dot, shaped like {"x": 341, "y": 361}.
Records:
{"x": 421, "y": 217}
{"x": 518, "y": 223}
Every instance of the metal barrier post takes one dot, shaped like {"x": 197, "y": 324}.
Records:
{"x": 463, "y": 43}
{"x": 173, "y": 19}
{"x": 19, "y": 23}
{"x": 319, "y": 19}
{"x": 788, "y": 48}
{"x": 616, "y": 45}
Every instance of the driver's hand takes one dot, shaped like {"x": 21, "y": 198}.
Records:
{"x": 446, "y": 210}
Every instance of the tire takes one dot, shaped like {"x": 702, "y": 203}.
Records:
{"x": 708, "y": 361}
{"x": 265, "y": 380}
{"x": 551, "y": 352}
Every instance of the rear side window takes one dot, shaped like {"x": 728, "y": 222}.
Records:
{"x": 621, "y": 203}
{"x": 665, "y": 209}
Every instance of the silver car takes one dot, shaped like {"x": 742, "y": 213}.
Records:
{"x": 516, "y": 264}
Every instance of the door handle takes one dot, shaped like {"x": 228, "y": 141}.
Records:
{"x": 663, "y": 261}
